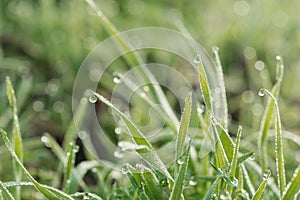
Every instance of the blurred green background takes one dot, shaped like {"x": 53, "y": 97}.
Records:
{"x": 43, "y": 43}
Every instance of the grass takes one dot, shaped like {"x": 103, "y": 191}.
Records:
{"x": 229, "y": 171}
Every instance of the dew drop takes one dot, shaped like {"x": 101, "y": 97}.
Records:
{"x": 68, "y": 181}
{"x": 46, "y": 141}
{"x": 235, "y": 182}
{"x": 125, "y": 169}
{"x": 118, "y": 130}
{"x": 193, "y": 182}
{"x": 119, "y": 154}
{"x": 266, "y": 174}
{"x": 278, "y": 58}
{"x": 94, "y": 170}
{"x": 163, "y": 183}
{"x": 146, "y": 89}
{"x": 92, "y": 98}
{"x": 117, "y": 80}
{"x": 252, "y": 157}
{"x": 197, "y": 58}
{"x": 200, "y": 109}
{"x": 261, "y": 92}
{"x": 215, "y": 49}
{"x": 180, "y": 161}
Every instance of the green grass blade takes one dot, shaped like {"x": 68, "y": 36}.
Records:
{"x": 267, "y": 116}
{"x": 179, "y": 181}
{"x": 235, "y": 156}
{"x": 244, "y": 157}
{"x": 37, "y": 185}
{"x": 69, "y": 166}
{"x": 226, "y": 141}
{"x": 17, "y": 138}
{"x": 150, "y": 155}
{"x": 184, "y": 125}
{"x": 293, "y": 187}
{"x": 248, "y": 182}
{"x": 204, "y": 85}
{"x": 261, "y": 188}
{"x": 6, "y": 194}
{"x": 210, "y": 193}
{"x": 222, "y": 87}
{"x": 278, "y": 146}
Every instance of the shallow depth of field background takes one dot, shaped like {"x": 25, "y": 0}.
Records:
{"x": 43, "y": 43}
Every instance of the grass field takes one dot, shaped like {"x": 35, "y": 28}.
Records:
{"x": 234, "y": 134}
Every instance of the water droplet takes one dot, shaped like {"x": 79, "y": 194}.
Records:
{"x": 278, "y": 58}
{"x": 125, "y": 169}
{"x": 82, "y": 135}
{"x": 193, "y": 182}
{"x": 94, "y": 170}
{"x": 146, "y": 89}
{"x": 235, "y": 182}
{"x": 76, "y": 149}
{"x": 259, "y": 65}
{"x": 266, "y": 174}
{"x": 118, "y": 130}
{"x": 92, "y": 98}
{"x": 46, "y": 141}
{"x": 68, "y": 181}
{"x": 200, "y": 109}
{"x": 119, "y": 154}
{"x": 163, "y": 183}
{"x": 215, "y": 49}
{"x": 261, "y": 92}
{"x": 117, "y": 80}
{"x": 180, "y": 161}
{"x": 252, "y": 157}
{"x": 222, "y": 196}
{"x": 197, "y": 59}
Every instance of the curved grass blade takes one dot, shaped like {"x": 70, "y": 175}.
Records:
{"x": 37, "y": 185}
{"x": 222, "y": 87}
{"x": 204, "y": 85}
{"x": 267, "y": 116}
{"x": 17, "y": 138}
{"x": 184, "y": 125}
{"x": 6, "y": 194}
{"x": 179, "y": 181}
{"x": 134, "y": 59}
{"x": 261, "y": 188}
{"x": 147, "y": 153}
{"x": 278, "y": 146}
{"x": 226, "y": 141}
{"x": 293, "y": 187}
{"x": 235, "y": 156}
{"x": 244, "y": 157}
{"x": 69, "y": 166}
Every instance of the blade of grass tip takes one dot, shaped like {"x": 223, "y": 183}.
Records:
{"x": 259, "y": 192}
{"x": 235, "y": 157}
{"x": 204, "y": 84}
{"x": 278, "y": 145}
{"x": 134, "y": 59}
{"x": 220, "y": 77}
{"x": 150, "y": 155}
{"x": 226, "y": 141}
{"x": 244, "y": 157}
{"x": 37, "y": 185}
{"x": 179, "y": 181}
{"x": 17, "y": 138}
{"x": 267, "y": 116}
{"x": 294, "y": 186}
{"x": 210, "y": 193}
{"x": 6, "y": 194}
{"x": 183, "y": 128}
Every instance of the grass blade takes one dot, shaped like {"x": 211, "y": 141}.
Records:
{"x": 261, "y": 188}
{"x": 235, "y": 156}
{"x": 69, "y": 166}
{"x": 204, "y": 85}
{"x": 226, "y": 141}
{"x": 278, "y": 146}
{"x": 222, "y": 87}
{"x": 179, "y": 181}
{"x": 184, "y": 125}
{"x": 244, "y": 157}
{"x": 17, "y": 138}
{"x": 210, "y": 193}
{"x": 150, "y": 155}
{"x": 267, "y": 116}
{"x": 293, "y": 187}
{"x": 6, "y": 194}
{"x": 37, "y": 185}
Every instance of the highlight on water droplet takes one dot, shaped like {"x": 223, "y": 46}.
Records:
{"x": 252, "y": 157}
{"x": 261, "y": 92}
{"x": 117, "y": 80}
{"x": 266, "y": 174}
{"x": 92, "y": 98}
{"x": 118, "y": 130}
{"x": 118, "y": 154}
{"x": 180, "y": 161}
{"x": 46, "y": 141}
{"x": 146, "y": 88}
{"x": 192, "y": 182}
{"x": 197, "y": 58}
{"x": 215, "y": 49}
{"x": 278, "y": 58}
{"x": 200, "y": 109}
{"x": 125, "y": 168}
